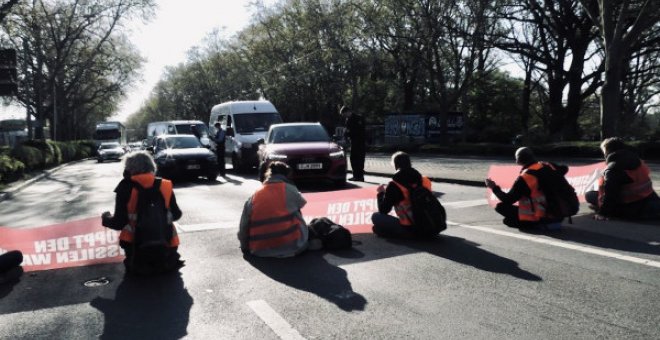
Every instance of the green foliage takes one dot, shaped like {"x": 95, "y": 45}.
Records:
{"x": 10, "y": 168}
{"x": 50, "y": 152}
{"x": 30, "y": 156}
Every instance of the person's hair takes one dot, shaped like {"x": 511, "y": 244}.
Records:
{"x": 525, "y": 156}
{"x": 139, "y": 162}
{"x": 277, "y": 168}
{"x": 344, "y": 109}
{"x": 401, "y": 160}
{"x": 612, "y": 144}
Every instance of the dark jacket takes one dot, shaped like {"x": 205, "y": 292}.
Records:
{"x": 615, "y": 177}
{"x": 520, "y": 189}
{"x": 355, "y": 130}
{"x": 120, "y": 217}
{"x": 392, "y": 194}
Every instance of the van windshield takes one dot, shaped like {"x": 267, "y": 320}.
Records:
{"x": 185, "y": 129}
{"x": 254, "y": 122}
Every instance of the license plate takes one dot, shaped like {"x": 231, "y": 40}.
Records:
{"x": 193, "y": 166}
{"x": 310, "y": 166}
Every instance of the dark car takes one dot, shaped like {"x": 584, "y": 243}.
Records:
{"x": 184, "y": 156}
{"x": 307, "y": 149}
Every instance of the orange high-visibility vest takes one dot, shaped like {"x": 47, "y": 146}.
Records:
{"x": 404, "y": 208}
{"x": 146, "y": 181}
{"x": 532, "y": 208}
{"x": 271, "y": 225}
{"x": 640, "y": 188}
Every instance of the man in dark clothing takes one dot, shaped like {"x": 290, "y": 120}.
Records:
{"x": 219, "y": 140}
{"x": 625, "y": 189}
{"x": 531, "y": 209}
{"x": 355, "y": 132}
{"x": 395, "y": 195}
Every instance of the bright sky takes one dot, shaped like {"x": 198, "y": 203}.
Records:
{"x": 178, "y": 26}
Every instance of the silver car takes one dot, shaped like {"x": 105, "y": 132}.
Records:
{"x": 108, "y": 151}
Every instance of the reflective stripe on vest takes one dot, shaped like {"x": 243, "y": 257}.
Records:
{"x": 271, "y": 225}
{"x": 532, "y": 208}
{"x": 403, "y": 209}
{"x": 146, "y": 181}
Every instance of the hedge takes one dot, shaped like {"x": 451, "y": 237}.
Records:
{"x": 38, "y": 155}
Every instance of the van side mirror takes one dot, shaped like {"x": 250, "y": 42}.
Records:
{"x": 261, "y": 141}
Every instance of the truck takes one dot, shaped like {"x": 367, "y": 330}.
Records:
{"x": 107, "y": 132}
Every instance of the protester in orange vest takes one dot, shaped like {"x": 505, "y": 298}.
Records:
{"x": 396, "y": 196}
{"x": 139, "y": 173}
{"x": 531, "y": 209}
{"x": 272, "y": 224}
{"x": 625, "y": 190}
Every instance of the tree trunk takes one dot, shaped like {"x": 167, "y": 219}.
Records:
{"x": 610, "y": 98}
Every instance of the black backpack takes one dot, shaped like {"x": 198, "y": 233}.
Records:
{"x": 152, "y": 228}
{"x": 429, "y": 216}
{"x": 332, "y": 235}
{"x": 561, "y": 198}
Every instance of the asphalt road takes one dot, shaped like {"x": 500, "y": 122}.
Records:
{"x": 479, "y": 280}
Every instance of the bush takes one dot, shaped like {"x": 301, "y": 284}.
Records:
{"x": 51, "y": 153}
{"x": 84, "y": 149}
{"x": 30, "y": 156}
{"x": 11, "y": 169}
{"x": 68, "y": 151}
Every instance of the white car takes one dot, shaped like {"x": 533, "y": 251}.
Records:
{"x": 108, "y": 151}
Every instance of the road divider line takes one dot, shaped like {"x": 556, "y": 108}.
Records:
{"x": 565, "y": 245}
{"x": 465, "y": 204}
{"x": 269, "y": 316}
{"x": 187, "y": 228}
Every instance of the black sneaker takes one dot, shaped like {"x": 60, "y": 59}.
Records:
{"x": 356, "y": 179}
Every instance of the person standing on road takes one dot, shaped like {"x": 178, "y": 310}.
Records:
{"x": 355, "y": 131}
{"x": 531, "y": 209}
{"x": 139, "y": 173}
{"x": 219, "y": 140}
{"x": 625, "y": 190}
{"x": 272, "y": 224}
{"x": 397, "y": 196}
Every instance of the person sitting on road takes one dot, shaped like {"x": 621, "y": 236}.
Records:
{"x": 396, "y": 195}
{"x": 625, "y": 190}
{"x": 531, "y": 209}
{"x": 139, "y": 174}
{"x": 10, "y": 266}
{"x": 272, "y": 224}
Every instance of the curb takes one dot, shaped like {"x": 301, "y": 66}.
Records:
{"x": 13, "y": 190}
{"x": 433, "y": 179}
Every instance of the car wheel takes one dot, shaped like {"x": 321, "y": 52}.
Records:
{"x": 237, "y": 164}
{"x": 100, "y": 160}
{"x": 262, "y": 171}
{"x": 212, "y": 177}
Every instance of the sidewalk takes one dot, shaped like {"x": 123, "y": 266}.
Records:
{"x": 467, "y": 170}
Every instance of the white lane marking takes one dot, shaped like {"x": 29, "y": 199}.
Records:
{"x": 282, "y": 328}
{"x": 465, "y": 204}
{"x": 187, "y": 228}
{"x": 564, "y": 245}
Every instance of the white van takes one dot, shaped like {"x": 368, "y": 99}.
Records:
{"x": 177, "y": 127}
{"x": 245, "y": 123}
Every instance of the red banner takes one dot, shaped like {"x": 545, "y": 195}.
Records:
{"x": 70, "y": 244}
{"x": 582, "y": 178}
{"x": 349, "y": 208}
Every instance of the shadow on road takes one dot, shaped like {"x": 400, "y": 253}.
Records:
{"x": 147, "y": 308}
{"x": 467, "y": 252}
{"x": 312, "y": 273}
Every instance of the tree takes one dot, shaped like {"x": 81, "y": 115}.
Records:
{"x": 622, "y": 26}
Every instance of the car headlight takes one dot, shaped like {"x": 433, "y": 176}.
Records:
{"x": 337, "y": 155}
{"x": 276, "y": 157}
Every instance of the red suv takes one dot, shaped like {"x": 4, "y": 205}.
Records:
{"x": 307, "y": 149}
